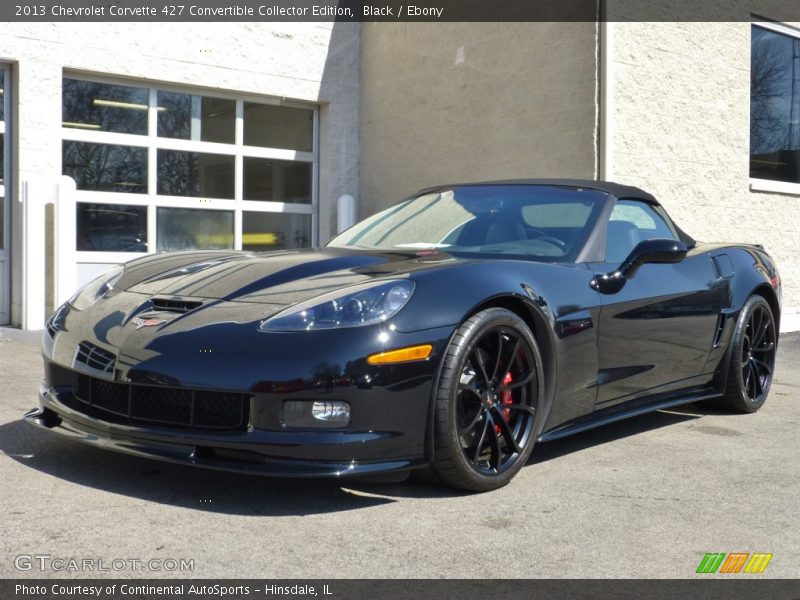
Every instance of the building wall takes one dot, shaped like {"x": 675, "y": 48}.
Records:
{"x": 313, "y": 62}
{"x": 453, "y": 102}
{"x": 677, "y": 125}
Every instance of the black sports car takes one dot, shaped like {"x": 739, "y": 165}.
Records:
{"x": 450, "y": 332}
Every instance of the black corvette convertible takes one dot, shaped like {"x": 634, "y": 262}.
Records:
{"x": 450, "y": 332}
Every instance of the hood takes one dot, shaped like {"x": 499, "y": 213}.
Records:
{"x": 282, "y": 278}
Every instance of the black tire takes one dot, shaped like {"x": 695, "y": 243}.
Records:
{"x": 487, "y": 402}
{"x": 752, "y": 358}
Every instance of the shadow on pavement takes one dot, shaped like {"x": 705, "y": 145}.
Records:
{"x": 558, "y": 448}
{"x": 176, "y": 485}
{"x": 232, "y": 493}
{"x": 617, "y": 431}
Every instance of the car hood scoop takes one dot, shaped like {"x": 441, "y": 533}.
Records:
{"x": 281, "y": 277}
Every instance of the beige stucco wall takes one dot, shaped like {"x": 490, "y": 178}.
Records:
{"x": 450, "y": 102}
{"x": 313, "y": 62}
{"x": 677, "y": 124}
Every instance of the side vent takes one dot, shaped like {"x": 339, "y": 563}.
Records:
{"x": 723, "y": 266}
{"x": 721, "y": 320}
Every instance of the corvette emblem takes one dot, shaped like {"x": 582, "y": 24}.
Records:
{"x": 147, "y": 322}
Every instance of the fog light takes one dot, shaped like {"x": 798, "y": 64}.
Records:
{"x": 316, "y": 413}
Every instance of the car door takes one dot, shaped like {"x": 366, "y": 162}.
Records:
{"x": 655, "y": 333}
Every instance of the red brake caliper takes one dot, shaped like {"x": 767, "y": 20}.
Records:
{"x": 505, "y": 398}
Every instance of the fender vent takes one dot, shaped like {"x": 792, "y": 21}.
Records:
{"x": 174, "y": 306}
{"x": 721, "y": 320}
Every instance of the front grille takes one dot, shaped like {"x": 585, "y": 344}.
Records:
{"x": 176, "y": 306}
{"x": 95, "y": 357}
{"x": 144, "y": 404}
{"x": 109, "y": 396}
{"x": 150, "y": 404}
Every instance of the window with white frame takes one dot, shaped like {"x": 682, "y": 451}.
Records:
{"x": 775, "y": 103}
{"x": 160, "y": 169}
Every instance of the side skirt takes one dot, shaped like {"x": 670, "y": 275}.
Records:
{"x": 618, "y": 413}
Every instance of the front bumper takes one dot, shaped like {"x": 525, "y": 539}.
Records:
{"x": 214, "y": 353}
{"x": 249, "y": 452}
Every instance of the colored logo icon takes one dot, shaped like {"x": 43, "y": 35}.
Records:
{"x": 734, "y": 562}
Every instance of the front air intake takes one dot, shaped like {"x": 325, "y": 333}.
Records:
{"x": 136, "y": 404}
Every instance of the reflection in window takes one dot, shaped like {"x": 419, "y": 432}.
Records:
{"x": 273, "y": 126}
{"x": 105, "y": 167}
{"x": 277, "y": 180}
{"x": 188, "y": 228}
{"x": 631, "y": 222}
{"x": 262, "y": 232}
{"x": 481, "y": 219}
{"x": 195, "y": 174}
{"x": 774, "y": 106}
{"x": 188, "y": 117}
{"x": 104, "y": 107}
{"x": 562, "y": 214}
{"x": 2, "y": 94}
{"x": 111, "y": 228}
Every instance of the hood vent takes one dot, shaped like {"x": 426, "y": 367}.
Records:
{"x": 174, "y": 306}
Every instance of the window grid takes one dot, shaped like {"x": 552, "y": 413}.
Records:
{"x": 238, "y": 205}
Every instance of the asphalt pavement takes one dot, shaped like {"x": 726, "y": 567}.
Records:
{"x": 646, "y": 497}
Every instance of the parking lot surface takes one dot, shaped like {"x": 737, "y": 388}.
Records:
{"x": 646, "y": 497}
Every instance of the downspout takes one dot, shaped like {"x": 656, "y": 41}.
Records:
{"x": 605, "y": 150}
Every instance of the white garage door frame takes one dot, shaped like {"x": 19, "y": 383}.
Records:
{"x": 5, "y": 217}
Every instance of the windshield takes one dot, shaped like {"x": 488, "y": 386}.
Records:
{"x": 545, "y": 222}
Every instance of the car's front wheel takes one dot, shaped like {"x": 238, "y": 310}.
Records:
{"x": 487, "y": 402}
{"x": 752, "y": 361}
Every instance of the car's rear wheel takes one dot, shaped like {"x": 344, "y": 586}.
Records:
{"x": 487, "y": 402}
{"x": 753, "y": 350}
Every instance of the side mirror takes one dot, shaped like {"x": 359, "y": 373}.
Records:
{"x": 647, "y": 251}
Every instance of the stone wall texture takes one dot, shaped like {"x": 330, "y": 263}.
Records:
{"x": 458, "y": 102}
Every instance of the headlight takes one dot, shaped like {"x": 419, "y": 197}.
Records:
{"x": 95, "y": 289}
{"x": 356, "y": 306}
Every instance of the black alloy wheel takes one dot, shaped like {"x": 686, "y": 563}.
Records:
{"x": 753, "y": 350}
{"x": 487, "y": 401}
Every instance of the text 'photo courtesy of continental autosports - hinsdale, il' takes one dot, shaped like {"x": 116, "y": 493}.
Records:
{"x": 449, "y": 333}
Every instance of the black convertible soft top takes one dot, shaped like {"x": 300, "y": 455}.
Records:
{"x": 615, "y": 189}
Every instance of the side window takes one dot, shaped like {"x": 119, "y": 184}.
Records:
{"x": 631, "y": 222}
